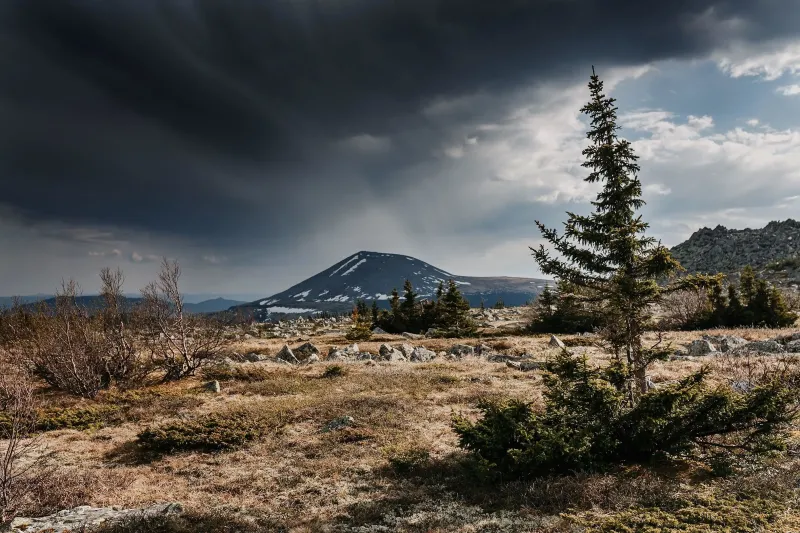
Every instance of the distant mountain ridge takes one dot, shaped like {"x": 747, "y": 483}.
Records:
{"x": 729, "y": 250}
{"x": 94, "y": 302}
{"x": 371, "y": 276}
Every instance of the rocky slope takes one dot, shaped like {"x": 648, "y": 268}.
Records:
{"x": 729, "y": 250}
{"x": 371, "y": 276}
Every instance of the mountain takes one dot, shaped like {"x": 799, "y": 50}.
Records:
{"x": 371, "y": 276}
{"x": 770, "y": 249}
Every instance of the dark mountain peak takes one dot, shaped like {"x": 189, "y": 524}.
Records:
{"x": 371, "y": 276}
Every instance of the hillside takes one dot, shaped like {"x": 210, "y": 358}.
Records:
{"x": 729, "y": 250}
{"x": 94, "y": 303}
{"x": 372, "y": 275}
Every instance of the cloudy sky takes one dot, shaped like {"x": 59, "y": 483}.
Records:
{"x": 259, "y": 142}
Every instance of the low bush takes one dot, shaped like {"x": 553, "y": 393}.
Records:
{"x": 211, "y": 432}
{"x": 588, "y": 422}
{"x": 236, "y": 373}
{"x": 215, "y": 522}
{"x": 334, "y": 371}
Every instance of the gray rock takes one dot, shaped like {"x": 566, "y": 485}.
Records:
{"x": 461, "y": 350}
{"x": 421, "y": 355}
{"x": 86, "y": 518}
{"x": 412, "y": 336}
{"x": 365, "y": 356}
{"x": 555, "y": 342}
{"x": 352, "y": 349}
{"x": 483, "y": 350}
{"x": 701, "y": 347}
{"x": 311, "y": 359}
{"x": 253, "y": 357}
{"x": 287, "y": 355}
{"x": 378, "y": 331}
{"x": 762, "y": 347}
{"x": 338, "y": 423}
{"x": 212, "y": 386}
{"x": 337, "y": 355}
{"x": 305, "y": 351}
{"x": 406, "y": 349}
{"x": 725, "y": 343}
{"x": 388, "y": 353}
{"x": 793, "y": 346}
{"x": 786, "y": 339}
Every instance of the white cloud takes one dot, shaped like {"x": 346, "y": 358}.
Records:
{"x": 139, "y": 258}
{"x": 769, "y": 62}
{"x": 214, "y": 259}
{"x": 753, "y": 122}
{"x": 790, "y": 90}
{"x": 110, "y": 253}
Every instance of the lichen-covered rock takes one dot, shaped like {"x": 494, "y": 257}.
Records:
{"x": 793, "y": 346}
{"x": 406, "y": 349}
{"x": 212, "y": 386}
{"x": 555, "y": 342}
{"x": 388, "y": 353}
{"x": 725, "y": 343}
{"x": 305, "y": 351}
{"x": 461, "y": 350}
{"x": 86, "y": 518}
{"x": 701, "y": 347}
{"x": 287, "y": 355}
{"x": 762, "y": 347}
{"x": 422, "y": 355}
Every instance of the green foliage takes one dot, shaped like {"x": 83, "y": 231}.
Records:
{"x": 564, "y": 310}
{"x": 606, "y": 253}
{"x": 191, "y": 523}
{"x": 753, "y": 302}
{"x": 499, "y": 304}
{"x": 787, "y": 263}
{"x": 587, "y": 424}
{"x": 78, "y": 418}
{"x": 448, "y": 314}
{"x": 362, "y": 323}
{"x": 334, "y": 371}
{"x": 211, "y": 432}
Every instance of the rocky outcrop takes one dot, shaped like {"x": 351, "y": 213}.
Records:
{"x": 729, "y": 250}
{"x": 87, "y": 518}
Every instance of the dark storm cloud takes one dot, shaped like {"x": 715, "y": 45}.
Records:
{"x": 223, "y": 120}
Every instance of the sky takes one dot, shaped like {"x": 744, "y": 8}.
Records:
{"x": 259, "y": 142}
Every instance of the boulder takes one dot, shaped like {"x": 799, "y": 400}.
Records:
{"x": 212, "y": 386}
{"x": 555, "y": 342}
{"x": 725, "y": 343}
{"x": 305, "y": 351}
{"x": 421, "y": 355}
{"x": 86, "y": 518}
{"x": 378, "y": 331}
{"x": 388, "y": 353}
{"x": 253, "y": 357}
{"x": 412, "y": 336}
{"x": 352, "y": 349}
{"x": 287, "y": 355}
{"x": 701, "y": 347}
{"x": 337, "y": 355}
{"x": 793, "y": 346}
{"x": 311, "y": 359}
{"x": 461, "y": 350}
{"x": 762, "y": 347}
{"x": 483, "y": 350}
{"x": 786, "y": 339}
{"x": 406, "y": 349}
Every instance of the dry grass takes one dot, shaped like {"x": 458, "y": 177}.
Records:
{"x": 396, "y": 466}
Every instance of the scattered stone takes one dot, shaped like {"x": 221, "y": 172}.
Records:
{"x": 287, "y": 355}
{"x": 352, "y": 349}
{"x": 337, "y": 355}
{"x": 338, "y": 423}
{"x": 514, "y": 364}
{"x": 253, "y": 357}
{"x": 462, "y": 350}
{"x": 412, "y": 336}
{"x": 212, "y": 386}
{"x": 86, "y": 518}
{"x": 388, "y": 353}
{"x": 422, "y": 355}
{"x": 555, "y": 342}
{"x": 793, "y": 346}
{"x": 483, "y": 350}
{"x": 742, "y": 386}
{"x": 305, "y": 351}
{"x": 725, "y": 343}
{"x": 365, "y": 356}
{"x": 762, "y": 347}
{"x": 701, "y": 347}
{"x": 786, "y": 339}
{"x": 406, "y": 349}
{"x": 378, "y": 331}
{"x": 311, "y": 359}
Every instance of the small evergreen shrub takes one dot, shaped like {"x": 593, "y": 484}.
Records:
{"x": 362, "y": 324}
{"x": 588, "y": 424}
{"x": 211, "y": 432}
{"x": 78, "y": 418}
{"x": 334, "y": 371}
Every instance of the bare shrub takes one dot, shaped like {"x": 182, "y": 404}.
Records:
{"x": 683, "y": 309}
{"x": 179, "y": 343}
{"x": 792, "y": 298}
{"x": 22, "y": 465}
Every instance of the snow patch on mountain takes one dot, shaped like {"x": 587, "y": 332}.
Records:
{"x": 271, "y": 310}
{"x": 354, "y": 267}
{"x": 345, "y": 264}
{"x": 302, "y": 294}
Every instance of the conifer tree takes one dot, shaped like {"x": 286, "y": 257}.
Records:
{"x": 375, "y": 313}
{"x": 453, "y": 316}
{"x": 607, "y": 251}
{"x": 408, "y": 308}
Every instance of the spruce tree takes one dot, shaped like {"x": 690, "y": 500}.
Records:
{"x": 453, "y": 313}
{"x": 607, "y": 251}
{"x": 408, "y": 308}
{"x": 375, "y": 313}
